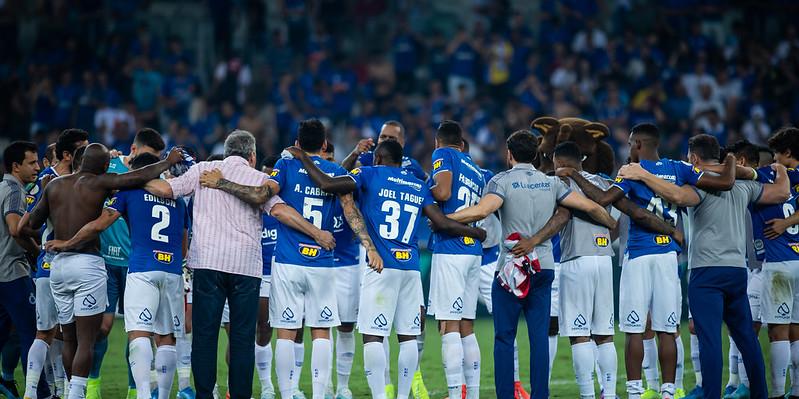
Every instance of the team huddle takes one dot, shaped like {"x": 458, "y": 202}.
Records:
{"x": 338, "y": 248}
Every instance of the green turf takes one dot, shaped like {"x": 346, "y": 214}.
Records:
{"x": 562, "y": 385}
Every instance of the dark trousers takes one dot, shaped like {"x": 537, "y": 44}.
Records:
{"x": 211, "y": 288}
{"x": 507, "y": 308}
{"x": 717, "y": 294}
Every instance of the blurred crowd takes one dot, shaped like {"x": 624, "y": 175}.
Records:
{"x": 690, "y": 66}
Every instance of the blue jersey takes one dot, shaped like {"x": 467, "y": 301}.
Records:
{"x": 490, "y": 255}
{"x": 786, "y": 246}
{"x": 467, "y": 188}
{"x": 392, "y": 203}
{"x": 268, "y": 242}
{"x": 315, "y": 205}
{"x": 556, "y": 247}
{"x": 408, "y": 163}
{"x": 347, "y": 248}
{"x": 642, "y": 241}
{"x": 33, "y": 197}
{"x": 156, "y": 225}
{"x": 115, "y": 240}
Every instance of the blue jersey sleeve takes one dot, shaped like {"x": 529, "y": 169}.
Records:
{"x": 428, "y": 197}
{"x": 360, "y": 176}
{"x": 366, "y": 158}
{"x": 686, "y": 173}
{"x": 417, "y": 170}
{"x": 623, "y": 184}
{"x": 765, "y": 175}
{"x": 118, "y": 202}
{"x": 279, "y": 173}
{"x": 442, "y": 161}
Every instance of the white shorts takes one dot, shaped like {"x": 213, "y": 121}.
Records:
{"x": 348, "y": 292}
{"x": 454, "y": 286}
{"x": 649, "y": 286}
{"x": 266, "y": 286}
{"x": 391, "y": 298}
{"x": 780, "y": 295}
{"x": 154, "y": 303}
{"x": 754, "y": 290}
{"x": 554, "y": 305}
{"x": 486, "y": 281}
{"x": 586, "y": 296}
{"x": 46, "y": 312}
{"x": 78, "y": 282}
{"x": 300, "y": 292}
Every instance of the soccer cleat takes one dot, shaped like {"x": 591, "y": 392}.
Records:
{"x": 650, "y": 394}
{"x": 267, "y": 393}
{"x": 329, "y": 392}
{"x": 519, "y": 392}
{"x": 728, "y": 390}
{"x": 216, "y": 391}
{"x": 696, "y": 393}
{"x": 93, "y": 388}
{"x": 299, "y": 395}
{"x": 742, "y": 392}
{"x": 417, "y": 386}
{"x": 679, "y": 393}
{"x": 186, "y": 393}
{"x": 344, "y": 393}
{"x": 154, "y": 394}
{"x": 132, "y": 393}
{"x": 9, "y": 388}
{"x": 391, "y": 392}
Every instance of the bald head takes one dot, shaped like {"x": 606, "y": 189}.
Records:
{"x": 95, "y": 159}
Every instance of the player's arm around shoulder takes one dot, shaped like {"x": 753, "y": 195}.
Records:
{"x": 596, "y": 194}
{"x": 777, "y": 192}
{"x": 684, "y": 196}
{"x": 575, "y": 200}
{"x": 253, "y": 195}
{"x": 450, "y": 226}
{"x": 489, "y": 204}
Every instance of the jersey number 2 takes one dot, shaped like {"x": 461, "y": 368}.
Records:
{"x": 161, "y": 213}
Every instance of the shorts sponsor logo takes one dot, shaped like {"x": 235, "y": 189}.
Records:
{"x": 759, "y": 245}
{"x": 146, "y": 316}
{"x": 287, "y": 315}
{"x": 163, "y": 257}
{"x": 457, "y": 306}
{"x": 417, "y": 321}
{"x": 633, "y": 319}
{"x": 89, "y": 301}
{"x": 672, "y": 319}
{"x": 326, "y": 314}
{"x": 176, "y": 321}
{"x": 580, "y": 322}
{"x": 601, "y": 240}
{"x": 380, "y": 322}
{"x": 662, "y": 240}
{"x": 783, "y": 310}
{"x": 310, "y": 251}
{"x": 469, "y": 241}
{"x": 402, "y": 255}
{"x": 794, "y": 246}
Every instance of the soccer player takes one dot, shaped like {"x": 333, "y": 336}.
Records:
{"x": 154, "y": 283}
{"x": 263, "y": 338}
{"x": 717, "y": 287}
{"x": 455, "y": 269}
{"x": 348, "y": 288}
{"x": 78, "y": 278}
{"x": 391, "y": 130}
{"x": 651, "y": 258}
{"x": 47, "y": 346}
{"x": 302, "y": 271}
{"x": 391, "y": 200}
{"x": 115, "y": 247}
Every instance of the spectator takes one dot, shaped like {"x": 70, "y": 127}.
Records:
{"x": 463, "y": 64}
{"x": 589, "y": 38}
{"x": 755, "y": 129}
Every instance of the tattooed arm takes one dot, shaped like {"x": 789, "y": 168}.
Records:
{"x": 355, "y": 220}
{"x": 253, "y": 195}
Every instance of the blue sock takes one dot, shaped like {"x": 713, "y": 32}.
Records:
{"x": 131, "y": 382}
{"x": 100, "y": 348}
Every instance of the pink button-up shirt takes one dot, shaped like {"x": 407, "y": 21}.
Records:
{"x": 226, "y": 231}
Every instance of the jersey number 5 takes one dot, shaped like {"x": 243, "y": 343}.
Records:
{"x": 161, "y": 213}
{"x": 311, "y": 212}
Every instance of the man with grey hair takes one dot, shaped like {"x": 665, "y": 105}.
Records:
{"x": 225, "y": 255}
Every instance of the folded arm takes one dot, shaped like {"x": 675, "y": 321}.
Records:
{"x": 444, "y": 224}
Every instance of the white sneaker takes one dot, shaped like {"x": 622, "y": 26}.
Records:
{"x": 216, "y": 391}
{"x": 268, "y": 393}
{"x": 344, "y": 393}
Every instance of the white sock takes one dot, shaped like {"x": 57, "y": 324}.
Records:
{"x": 183, "y": 346}
{"x": 553, "y": 352}
{"x": 406, "y": 366}
{"x": 329, "y": 387}
{"x": 263, "y": 364}
{"x": 583, "y": 362}
{"x": 794, "y": 368}
{"x": 77, "y": 387}
{"x": 374, "y": 364}
{"x": 452, "y": 356}
{"x": 37, "y": 357}
{"x": 299, "y": 359}
{"x": 608, "y": 364}
{"x": 667, "y": 391}
{"x": 285, "y": 366}
{"x": 780, "y": 357}
{"x": 345, "y": 352}
{"x": 141, "y": 356}
{"x": 695, "y": 359}
{"x": 387, "y": 351}
{"x": 597, "y": 370}
{"x": 634, "y": 389}
{"x": 166, "y": 361}
{"x": 680, "y": 371}
{"x": 60, "y": 376}
{"x": 471, "y": 366}
{"x": 516, "y": 361}
{"x": 420, "y": 350}
{"x": 733, "y": 364}
{"x": 320, "y": 366}
{"x": 650, "y": 364}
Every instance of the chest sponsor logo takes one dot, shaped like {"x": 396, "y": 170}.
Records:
{"x": 110, "y": 201}
{"x": 355, "y": 171}
{"x": 662, "y": 240}
{"x": 29, "y": 199}
{"x": 601, "y": 240}
{"x": 310, "y": 251}
{"x": 163, "y": 257}
{"x": 618, "y": 180}
{"x": 794, "y": 246}
{"x": 402, "y": 255}
{"x": 45, "y": 265}
{"x": 469, "y": 241}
